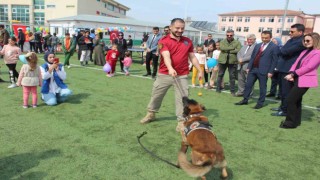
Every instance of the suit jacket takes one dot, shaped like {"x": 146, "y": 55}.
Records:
{"x": 289, "y": 54}
{"x": 268, "y": 60}
{"x": 245, "y": 56}
{"x": 154, "y": 43}
{"x": 308, "y": 70}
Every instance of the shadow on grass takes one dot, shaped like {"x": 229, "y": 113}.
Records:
{"x": 215, "y": 174}
{"x": 76, "y": 98}
{"x": 307, "y": 114}
{"x": 16, "y": 165}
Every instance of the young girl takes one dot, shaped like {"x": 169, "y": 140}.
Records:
{"x": 209, "y": 53}
{"x": 127, "y": 62}
{"x": 53, "y": 89}
{"x": 201, "y": 56}
{"x": 30, "y": 78}
{"x": 112, "y": 58}
{"x": 215, "y": 70}
{"x": 11, "y": 54}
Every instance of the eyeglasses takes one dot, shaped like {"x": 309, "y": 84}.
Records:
{"x": 229, "y": 35}
{"x": 306, "y": 41}
{"x": 292, "y": 32}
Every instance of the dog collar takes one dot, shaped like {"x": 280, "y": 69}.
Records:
{"x": 193, "y": 115}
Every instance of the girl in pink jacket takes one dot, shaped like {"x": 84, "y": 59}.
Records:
{"x": 11, "y": 54}
{"x": 303, "y": 75}
{"x": 127, "y": 61}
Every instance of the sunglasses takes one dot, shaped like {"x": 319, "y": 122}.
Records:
{"x": 229, "y": 35}
{"x": 306, "y": 41}
{"x": 292, "y": 32}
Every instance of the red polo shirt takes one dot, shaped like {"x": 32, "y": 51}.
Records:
{"x": 179, "y": 53}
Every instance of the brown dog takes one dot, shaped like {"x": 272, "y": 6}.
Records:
{"x": 206, "y": 152}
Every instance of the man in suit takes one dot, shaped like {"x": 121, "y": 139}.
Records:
{"x": 288, "y": 55}
{"x": 262, "y": 63}
{"x": 152, "y": 53}
{"x": 208, "y": 41}
{"x": 244, "y": 56}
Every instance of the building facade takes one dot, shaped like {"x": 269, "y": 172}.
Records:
{"x": 256, "y": 21}
{"x": 36, "y": 12}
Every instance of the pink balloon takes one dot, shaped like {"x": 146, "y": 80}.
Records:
{"x": 107, "y": 68}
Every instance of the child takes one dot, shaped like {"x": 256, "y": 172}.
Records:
{"x": 215, "y": 70}
{"x": 127, "y": 62}
{"x": 201, "y": 56}
{"x": 11, "y": 54}
{"x": 30, "y": 78}
{"x": 209, "y": 52}
{"x": 53, "y": 89}
{"x": 112, "y": 58}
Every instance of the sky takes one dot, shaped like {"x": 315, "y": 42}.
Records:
{"x": 163, "y": 11}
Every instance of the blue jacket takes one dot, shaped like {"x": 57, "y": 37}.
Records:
{"x": 268, "y": 59}
{"x": 289, "y": 54}
{"x": 154, "y": 44}
{"x": 46, "y": 83}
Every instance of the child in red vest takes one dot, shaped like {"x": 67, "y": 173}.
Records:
{"x": 112, "y": 58}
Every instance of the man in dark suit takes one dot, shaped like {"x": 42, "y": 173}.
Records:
{"x": 262, "y": 63}
{"x": 208, "y": 41}
{"x": 288, "y": 55}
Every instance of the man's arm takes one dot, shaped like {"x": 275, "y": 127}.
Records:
{"x": 167, "y": 62}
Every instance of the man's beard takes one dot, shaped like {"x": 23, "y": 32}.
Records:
{"x": 175, "y": 35}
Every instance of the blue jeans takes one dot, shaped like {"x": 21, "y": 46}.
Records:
{"x": 53, "y": 99}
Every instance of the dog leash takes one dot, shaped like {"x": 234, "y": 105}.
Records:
{"x": 179, "y": 87}
{"x": 152, "y": 154}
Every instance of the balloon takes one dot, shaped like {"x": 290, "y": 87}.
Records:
{"x": 47, "y": 30}
{"x": 212, "y": 62}
{"x": 28, "y": 29}
{"x": 107, "y": 68}
{"x": 23, "y": 59}
{"x": 41, "y": 28}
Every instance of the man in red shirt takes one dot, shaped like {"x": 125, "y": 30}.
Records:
{"x": 175, "y": 50}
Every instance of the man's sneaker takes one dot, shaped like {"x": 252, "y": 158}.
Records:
{"x": 12, "y": 86}
{"x": 151, "y": 116}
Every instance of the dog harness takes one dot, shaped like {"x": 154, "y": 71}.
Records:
{"x": 197, "y": 125}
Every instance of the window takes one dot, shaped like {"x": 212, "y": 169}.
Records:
{"x": 223, "y": 28}
{"x": 263, "y": 19}
{"x": 230, "y": 19}
{"x": 271, "y": 19}
{"x": 245, "y": 29}
{"x": 239, "y": 19}
{"x": 223, "y": 19}
{"x": 70, "y": 6}
{"x": 38, "y": 4}
{"x": 260, "y": 29}
{"x": 105, "y": 5}
{"x": 230, "y": 28}
{"x": 110, "y": 7}
{"x": 122, "y": 12}
{"x": 269, "y": 29}
{"x": 280, "y": 20}
{"x": 278, "y": 30}
{"x": 39, "y": 18}
{"x": 247, "y": 19}
{"x": 238, "y": 29}
{"x": 4, "y": 13}
{"x": 103, "y": 14}
{"x": 51, "y": 6}
{"x": 290, "y": 19}
{"x": 20, "y": 13}
{"x": 116, "y": 9}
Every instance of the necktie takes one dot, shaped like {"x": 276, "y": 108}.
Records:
{"x": 247, "y": 49}
{"x": 258, "y": 56}
{"x": 152, "y": 41}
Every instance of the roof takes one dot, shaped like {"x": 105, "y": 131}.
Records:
{"x": 203, "y": 25}
{"x": 263, "y": 13}
{"x": 103, "y": 19}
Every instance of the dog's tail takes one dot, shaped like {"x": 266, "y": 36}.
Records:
{"x": 191, "y": 169}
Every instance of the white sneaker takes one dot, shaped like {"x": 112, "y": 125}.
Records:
{"x": 12, "y": 86}
{"x": 25, "y": 107}
{"x": 69, "y": 67}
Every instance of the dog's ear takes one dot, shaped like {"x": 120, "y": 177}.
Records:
{"x": 185, "y": 100}
{"x": 186, "y": 111}
{"x": 203, "y": 107}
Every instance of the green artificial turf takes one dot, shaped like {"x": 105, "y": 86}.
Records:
{"x": 94, "y": 134}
